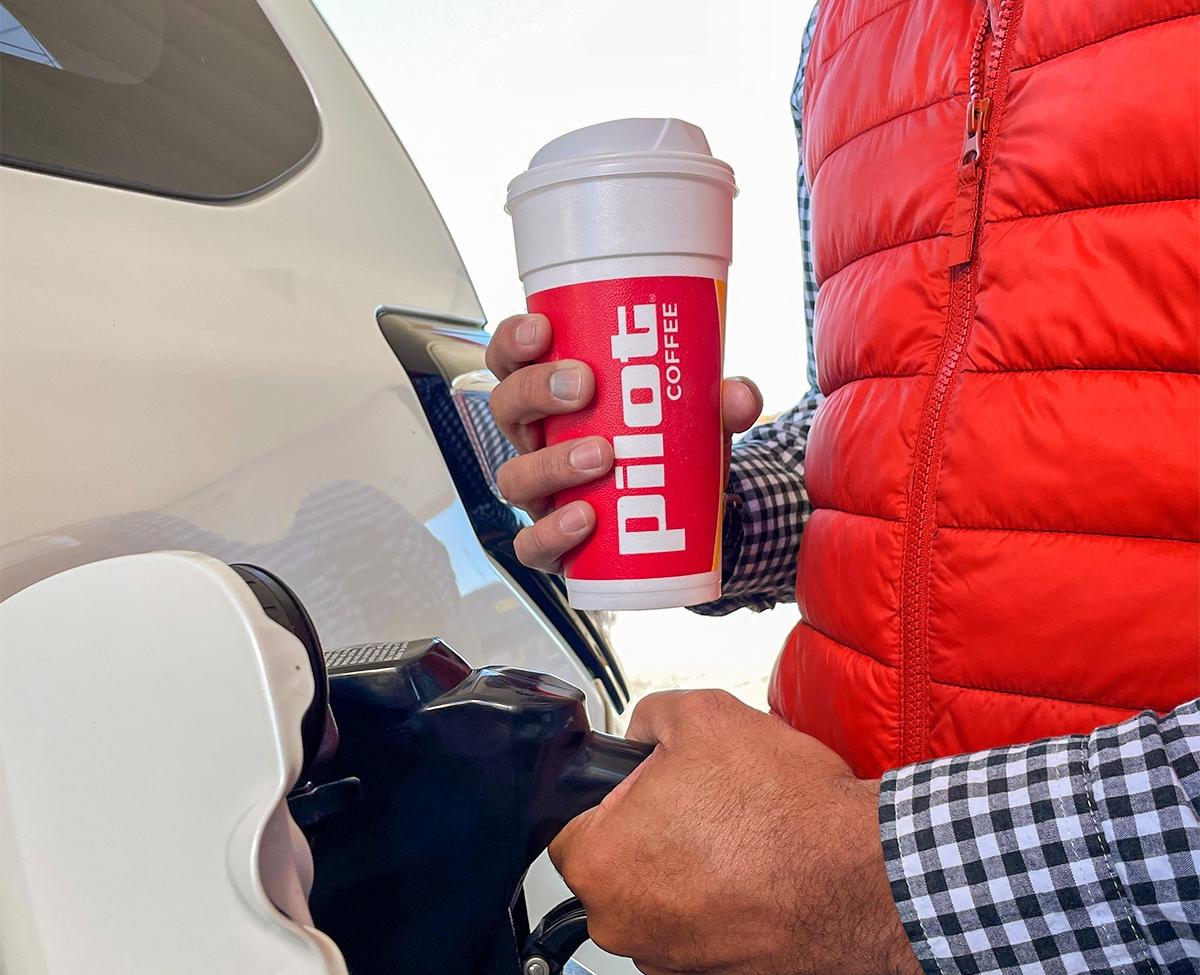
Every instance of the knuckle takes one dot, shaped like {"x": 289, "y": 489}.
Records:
{"x": 531, "y": 388}
{"x": 528, "y": 546}
{"x": 498, "y": 351}
{"x": 557, "y": 851}
{"x": 576, "y": 875}
{"x": 704, "y": 704}
{"x": 550, "y": 468}
{"x": 678, "y": 957}
{"x": 533, "y": 547}
{"x": 606, "y": 935}
{"x": 491, "y": 354}
{"x": 508, "y": 479}
{"x": 500, "y": 400}
{"x": 547, "y": 537}
{"x": 529, "y": 477}
{"x": 506, "y": 330}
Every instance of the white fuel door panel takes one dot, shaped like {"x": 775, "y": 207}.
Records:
{"x": 149, "y": 732}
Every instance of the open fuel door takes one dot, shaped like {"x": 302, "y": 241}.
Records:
{"x": 150, "y": 717}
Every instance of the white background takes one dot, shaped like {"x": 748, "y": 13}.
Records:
{"x": 475, "y": 87}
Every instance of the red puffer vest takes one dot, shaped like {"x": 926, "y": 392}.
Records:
{"x": 1006, "y": 470}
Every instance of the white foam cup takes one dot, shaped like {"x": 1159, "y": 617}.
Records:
{"x": 623, "y": 236}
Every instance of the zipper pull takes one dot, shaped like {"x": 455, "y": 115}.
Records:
{"x": 966, "y": 201}
{"x": 979, "y": 113}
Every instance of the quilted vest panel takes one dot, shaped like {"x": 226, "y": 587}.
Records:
{"x": 1006, "y": 470}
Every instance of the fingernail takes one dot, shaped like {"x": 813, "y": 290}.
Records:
{"x": 586, "y": 457}
{"x": 573, "y": 520}
{"x": 526, "y": 333}
{"x": 565, "y": 384}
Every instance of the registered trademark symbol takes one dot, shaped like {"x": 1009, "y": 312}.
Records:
{"x": 654, "y": 297}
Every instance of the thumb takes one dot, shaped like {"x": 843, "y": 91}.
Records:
{"x": 741, "y": 404}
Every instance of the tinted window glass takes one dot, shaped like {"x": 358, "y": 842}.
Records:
{"x": 189, "y": 98}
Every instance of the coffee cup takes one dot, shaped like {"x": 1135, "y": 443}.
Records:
{"x": 623, "y": 235}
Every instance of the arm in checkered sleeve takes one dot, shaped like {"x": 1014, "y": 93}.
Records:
{"x": 765, "y": 512}
{"x": 1074, "y": 854}
{"x": 767, "y": 505}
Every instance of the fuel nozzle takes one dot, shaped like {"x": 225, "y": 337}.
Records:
{"x": 465, "y": 777}
{"x": 533, "y": 732}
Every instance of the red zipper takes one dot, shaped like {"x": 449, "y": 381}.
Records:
{"x": 987, "y": 90}
{"x": 980, "y": 92}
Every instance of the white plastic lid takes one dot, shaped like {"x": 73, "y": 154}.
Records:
{"x": 625, "y": 135}
{"x": 623, "y": 147}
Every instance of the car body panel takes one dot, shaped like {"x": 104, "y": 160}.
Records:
{"x": 212, "y": 378}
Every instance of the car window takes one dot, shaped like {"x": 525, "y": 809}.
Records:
{"x": 190, "y": 98}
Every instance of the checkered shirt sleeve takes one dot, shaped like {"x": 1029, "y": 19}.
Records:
{"x": 766, "y": 510}
{"x": 1074, "y": 854}
{"x": 767, "y": 505}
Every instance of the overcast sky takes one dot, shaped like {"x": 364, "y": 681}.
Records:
{"x": 475, "y": 87}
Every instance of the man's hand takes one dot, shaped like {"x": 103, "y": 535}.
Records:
{"x": 530, "y": 391}
{"x": 739, "y": 846}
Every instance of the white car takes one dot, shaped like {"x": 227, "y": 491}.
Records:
{"x": 232, "y": 322}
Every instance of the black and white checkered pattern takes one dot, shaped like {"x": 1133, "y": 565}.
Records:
{"x": 1145, "y": 779}
{"x": 803, "y": 200}
{"x": 766, "y": 473}
{"x": 766, "y": 477}
{"x": 1074, "y": 854}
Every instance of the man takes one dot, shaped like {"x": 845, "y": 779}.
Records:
{"x": 992, "y": 527}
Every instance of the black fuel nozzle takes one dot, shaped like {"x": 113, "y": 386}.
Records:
{"x": 465, "y": 777}
{"x": 532, "y": 742}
